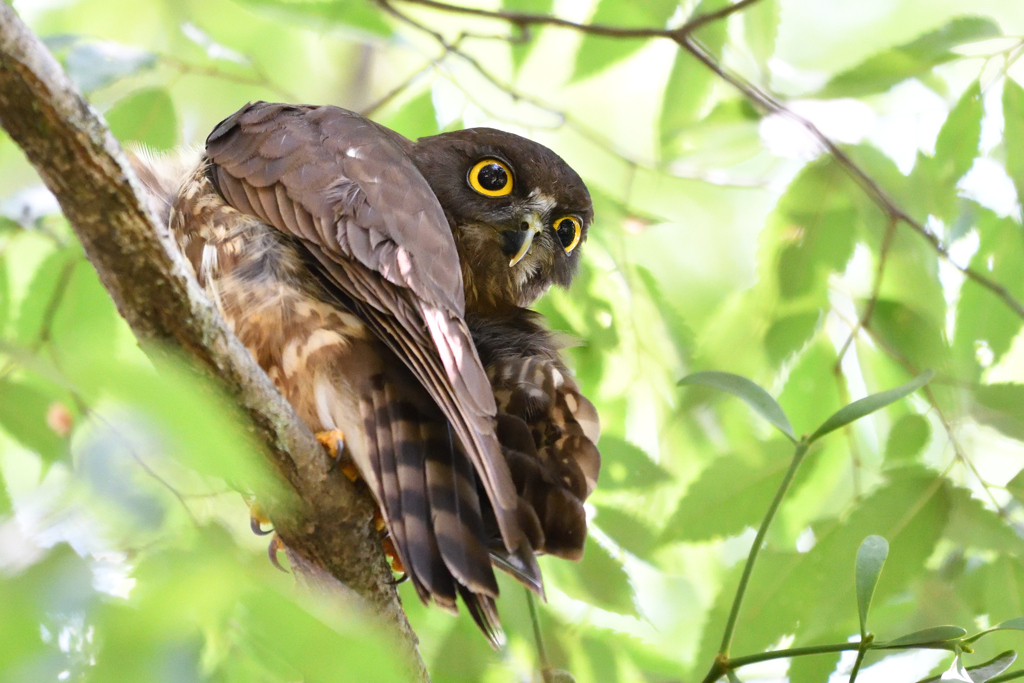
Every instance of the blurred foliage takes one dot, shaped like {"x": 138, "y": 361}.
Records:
{"x": 725, "y": 240}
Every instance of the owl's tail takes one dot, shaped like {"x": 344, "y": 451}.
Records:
{"x": 428, "y": 493}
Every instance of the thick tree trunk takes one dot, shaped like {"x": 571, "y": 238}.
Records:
{"x": 80, "y": 161}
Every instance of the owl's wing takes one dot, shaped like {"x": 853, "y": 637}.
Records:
{"x": 547, "y": 428}
{"x": 348, "y": 191}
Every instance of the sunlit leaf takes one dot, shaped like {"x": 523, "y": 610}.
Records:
{"x": 985, "y": 327}
{"x": 598, "y": 579}
{"x": 870, "y": 404}
{"x": 44, "y": 296}
{"x": 23, "y": 414}
{"x": 93, "y": 65}
{"x": 1013, "y": 133}
{"x": 325, "y": 14}
{"x": 928, "y": 636}
{"x": 521, "y": 50}
{"x": 416, "y": 118}
{"x": 690, "y": 81}
{"x": 870, "y": 558}
{"x": 6, "y": 506}
{"x": 751, "y": 394}
{"x": 885, "y": 69}
{"x": 597, "y": 53}
{"x": 788, "y": 335}
{"x": 738, "y": 492}
{"x": 972, "y": 525}
{"x": 1001, "y": 406}
{"x": 145, "y": 116}
{"x": 626, "y": 466}
{"x": 760, "y": 29}
{"x": 627, "y": 530}
{"x": 1016, "y": 487}
{"x": 907, "y": 437}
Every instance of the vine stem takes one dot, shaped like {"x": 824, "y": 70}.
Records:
{"x": 722, "y": 663}
{"x": 542, "y": 654}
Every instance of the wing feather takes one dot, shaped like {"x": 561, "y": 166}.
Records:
{"x": 375, "y": 220}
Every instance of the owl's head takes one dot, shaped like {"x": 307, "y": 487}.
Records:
{"x": 519, "y": 214}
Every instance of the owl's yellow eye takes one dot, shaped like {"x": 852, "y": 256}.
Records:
{"x": 491, "y": 178}
{"x": 568, "y": 229}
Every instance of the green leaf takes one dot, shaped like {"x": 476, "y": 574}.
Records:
{"x": 23, "y": 414}
{"x": 1013, "y": 133}
{"x": 972, "y": 525}
{"x": 626, "y": 466}
{"x": 5, "y": 298}
{"x": 815, "y": 225}
{"x": 416, "y": 118}
{"x": 690, "y": 82}
{"x": 915, "y": 334}
{"x": 627, "y": 530}
{"x": 94, "y": 65}
{"x": 870, "y": 404}
{"x": 982, "y": 320}
{"x": 751, "y": 394}
{"x": 598, "y": 579}
{"x": 870, "y": 558}
{"x": 811, "y": 594}
{"x": 43, "y": 297}
{"x": 992, "y": 668}
{"x": 364, "y": 17}
{"x": 597, "y": 53}
{"x": 1015, "y": 624}
{"x": 145, "y": 116}
{"x": 6, "y": 506}
{"x": 1001, "y": 406}
{"x": 737, "y": 491}
{"x": 907, "y": 437}
{"x": 760, "y": 29}
{"x": 789, "y": 334}
{"x": 928, "y": 636}
{"x": 521, "y": 50}
{"x": 957, "y": 144}
{"x": 916, "y": 58}
{"x": 1015, "y": 487}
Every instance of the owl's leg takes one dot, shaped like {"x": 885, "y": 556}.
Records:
{"x": 334, "y": 441}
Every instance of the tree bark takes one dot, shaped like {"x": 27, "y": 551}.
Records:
{"x": 82, "y": 164}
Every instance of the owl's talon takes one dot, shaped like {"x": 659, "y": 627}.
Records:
{"x": 334, "y": 441}
{"x": 276, "y": 545}
{"x": 401, "y": 579}
{"x": 392, "y": 554}
{"x": 257, "y": 518}
{"x": 256, "y": 524}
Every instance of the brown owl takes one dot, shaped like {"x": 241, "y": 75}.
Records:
{"x": 381, "y": 284}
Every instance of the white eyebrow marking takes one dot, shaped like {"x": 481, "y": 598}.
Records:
{"x": 542, "y": 203}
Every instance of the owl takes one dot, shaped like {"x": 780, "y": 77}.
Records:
{"x": 382, "y": 284}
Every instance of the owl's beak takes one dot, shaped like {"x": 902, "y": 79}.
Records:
{"x": 518, "y": 242}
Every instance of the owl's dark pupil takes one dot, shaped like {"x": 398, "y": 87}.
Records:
{"x": 493, "y": 177}
{"x": 566, "y": 233}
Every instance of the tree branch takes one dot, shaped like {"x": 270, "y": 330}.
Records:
{"x": 70, "y": 146}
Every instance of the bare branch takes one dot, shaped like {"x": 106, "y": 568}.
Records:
{"x": 81, "y": 163}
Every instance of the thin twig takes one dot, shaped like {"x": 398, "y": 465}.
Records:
{"x": 542, "y": 654}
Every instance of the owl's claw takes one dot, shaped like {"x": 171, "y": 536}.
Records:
{"x": 257, "y": 518}
{"x": 276, "y": 545}
{"x": 334, "y": 441}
